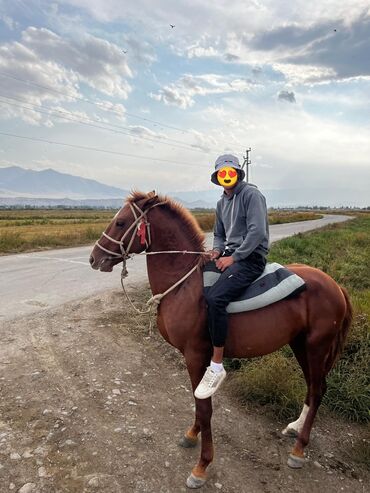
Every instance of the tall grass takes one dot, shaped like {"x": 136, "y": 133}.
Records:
{"x": 343, "y": 251}
{"x": 206, "y": 219}
{"x": 27, "y": 230}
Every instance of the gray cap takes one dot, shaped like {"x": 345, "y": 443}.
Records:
{"x": 227, "y": 160}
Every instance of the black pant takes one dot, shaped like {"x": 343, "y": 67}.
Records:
{"x": 232, "y": 282}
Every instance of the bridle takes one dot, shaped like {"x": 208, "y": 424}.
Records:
{"x": 141, "y": 227}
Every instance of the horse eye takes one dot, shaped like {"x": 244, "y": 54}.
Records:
{"x": 120, "y": 224}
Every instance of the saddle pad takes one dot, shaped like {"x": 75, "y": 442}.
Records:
{"x": 274, "y": 284}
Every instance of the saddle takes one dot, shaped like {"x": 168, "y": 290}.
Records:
{"x": 274, "y": 284}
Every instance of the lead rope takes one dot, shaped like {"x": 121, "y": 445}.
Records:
{"x": 155, "y": 300}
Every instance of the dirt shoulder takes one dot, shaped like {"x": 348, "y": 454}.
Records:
{"x": 90, "y": 403}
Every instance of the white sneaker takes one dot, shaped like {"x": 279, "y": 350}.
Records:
{"x": 210, "y": 383}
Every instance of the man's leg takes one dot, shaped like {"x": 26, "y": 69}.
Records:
{"x": 231, "y": 284}
{"x": 228, "y": 287}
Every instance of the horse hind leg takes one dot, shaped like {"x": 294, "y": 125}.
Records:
{"x": 298, "y": 346}
{"x": 316, "y": 357}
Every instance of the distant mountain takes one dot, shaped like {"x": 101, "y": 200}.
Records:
{"x": 63, "y": 202}
{"x": 48, "y": 188}
{"x": 290, "y": 197}
{"x": 48, "y": 183}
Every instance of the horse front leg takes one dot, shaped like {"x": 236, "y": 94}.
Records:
{"x": 203, "y": 414}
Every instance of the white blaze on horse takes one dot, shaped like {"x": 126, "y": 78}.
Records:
{"x": 314, "y": 323}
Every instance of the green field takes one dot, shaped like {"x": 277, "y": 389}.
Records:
{"x": 276, "y": 381}
{"x": 40, "y": 229}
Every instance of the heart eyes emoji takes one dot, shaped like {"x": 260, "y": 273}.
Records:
{"x": 227, "y": 177}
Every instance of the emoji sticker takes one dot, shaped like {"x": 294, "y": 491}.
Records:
{"x": 227, "y": 176}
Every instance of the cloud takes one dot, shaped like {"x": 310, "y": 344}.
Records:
{"x": 288, "y": 51}
{"x": 304, "y": 74}
{"x": 290, "y": 36}
{"x": 141, "y": 131}
{"x": 256, "y": 71}
{"x": 345, "y": 51}
{"x": 330, "y": 50}
{"x": 197, "y": 51}
{"x": 229, "y": 57}
{"x": 95, "y": 61}
{"x": 10, "y": 23}
{"x": 286, "y": 96}
{"x": 117, "y": 108}
{"x": 203, "y": 141}
{"x": 182, "y": 93}
{"x": 57, "y": 67}
{"x": 139, "y": 51}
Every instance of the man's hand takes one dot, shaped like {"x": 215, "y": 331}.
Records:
{"x": 224, "y": 262}
{"x": 213, "y": 254}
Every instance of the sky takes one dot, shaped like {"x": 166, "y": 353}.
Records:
{"x": 141, "y": 104}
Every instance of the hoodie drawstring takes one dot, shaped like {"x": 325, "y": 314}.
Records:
{"x": 232, "y": 218}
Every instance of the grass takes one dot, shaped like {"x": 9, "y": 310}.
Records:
{"x": 36, "y": 229}
{"x": 206, "y": 219}
{"x": 256, "y": 381}
{"x": 40, "y": 229}
{"x": 276, "y": 381}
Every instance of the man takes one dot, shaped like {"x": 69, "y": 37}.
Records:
{"x": 240, "y": 248}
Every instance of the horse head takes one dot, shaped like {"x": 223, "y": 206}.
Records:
{"x": 127, "y": 233}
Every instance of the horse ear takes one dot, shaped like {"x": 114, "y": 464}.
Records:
{"x": 151, "y": 198}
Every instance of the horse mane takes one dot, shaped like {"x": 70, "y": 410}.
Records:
{"x": 189, "y": 223}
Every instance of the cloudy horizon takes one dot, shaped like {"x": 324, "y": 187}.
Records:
{"x": 290, "y": 81}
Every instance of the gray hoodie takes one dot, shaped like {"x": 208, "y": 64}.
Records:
{"x": 241, "y": 222}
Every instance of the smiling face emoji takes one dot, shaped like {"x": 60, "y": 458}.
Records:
{"x": 227, "y": 177}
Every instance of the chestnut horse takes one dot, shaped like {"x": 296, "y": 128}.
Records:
{"x": 314, "y": 323}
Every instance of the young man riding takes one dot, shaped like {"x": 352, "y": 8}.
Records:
{"x": 240, "y": 247}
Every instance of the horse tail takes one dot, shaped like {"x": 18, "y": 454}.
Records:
{"x": 341, "y": 336}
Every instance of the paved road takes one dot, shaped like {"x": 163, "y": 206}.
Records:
{"x": 36, "y": 281}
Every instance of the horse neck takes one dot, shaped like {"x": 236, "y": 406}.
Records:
{"x": 168, "y": 233}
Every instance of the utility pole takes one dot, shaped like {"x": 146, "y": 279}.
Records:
{"x": 246, "y": 163}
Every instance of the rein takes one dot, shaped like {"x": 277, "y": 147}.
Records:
{"x": 140, "y": 227}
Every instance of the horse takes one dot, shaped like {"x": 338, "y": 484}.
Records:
{"x": 315, "y": 323}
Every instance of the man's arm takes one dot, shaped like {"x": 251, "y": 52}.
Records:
{"x": 256, "y": 226}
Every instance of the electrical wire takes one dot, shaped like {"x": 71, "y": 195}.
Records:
{"x": 50, "y": 89}
{"x": 66, "y": 116}
{"x": 95, "y": 149}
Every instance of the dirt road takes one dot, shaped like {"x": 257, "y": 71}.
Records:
{"x": 89, "y": 403}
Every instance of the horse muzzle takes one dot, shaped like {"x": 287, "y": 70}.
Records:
{"x": 104, "y": 264}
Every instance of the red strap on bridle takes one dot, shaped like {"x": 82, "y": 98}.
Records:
{"x": 141, "y": 231}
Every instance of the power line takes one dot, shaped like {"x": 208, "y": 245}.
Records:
{"x": 97, "y": 104}
{"x": 67, "y": 115}
{"x": 87, "y": 148}
{"x": 50, "y": 89}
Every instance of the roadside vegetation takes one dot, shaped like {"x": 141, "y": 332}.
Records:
{"x": 276, "y": 381}
{"x": 41, "y": 229}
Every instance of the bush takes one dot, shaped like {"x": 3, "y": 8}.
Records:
{"x": 273, "y": 380}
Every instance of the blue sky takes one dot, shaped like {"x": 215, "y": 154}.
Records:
{"x": 290, "y": 80}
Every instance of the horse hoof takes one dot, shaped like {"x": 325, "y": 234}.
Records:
{"x": 290, "y": 432}
{"x": 186, "y": 442}
{"x": 295, "y": 462}
{"x": 193, "y": 482}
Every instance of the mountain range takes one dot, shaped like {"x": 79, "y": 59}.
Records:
{"x": 21, "y": 186}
